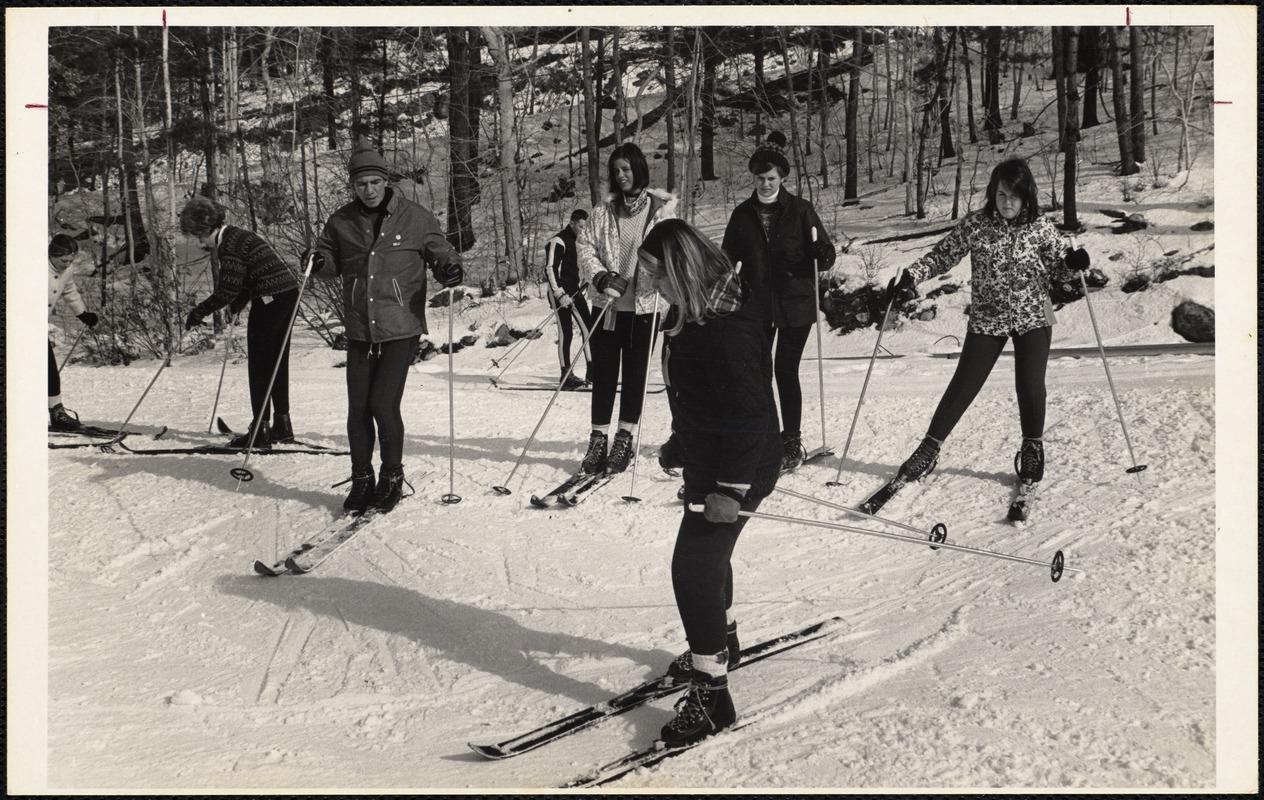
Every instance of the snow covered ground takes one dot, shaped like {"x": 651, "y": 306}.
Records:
{"x": 166, "y": 664}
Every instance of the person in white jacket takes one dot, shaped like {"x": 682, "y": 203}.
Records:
{"x": 623, "y": 299}
{"x": 63, "y": 294}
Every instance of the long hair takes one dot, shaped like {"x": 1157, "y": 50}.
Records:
{"x": 692, "y": 264}
{"x": 1015, "y": 174}
{"x": 636, "y": 159}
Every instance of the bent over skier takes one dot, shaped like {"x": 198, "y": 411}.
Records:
{"x": 727, "y": 437}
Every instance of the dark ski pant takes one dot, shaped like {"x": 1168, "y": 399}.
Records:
{"x": 566, "y": 317}
{"x": 376, "y": 374}
{"x": 786, "y": 345}
{"x": 629, "y": 345}
{"x": 702, "y": 575}
{"x": 266, "y": 342}
{"x": 978, "y": 355}
{"x": 54, "y": 377}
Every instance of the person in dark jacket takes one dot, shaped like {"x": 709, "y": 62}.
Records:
{"x": 770, "y": 234}
{"x": 725, "y": 436}
{"x": 62, "y": 293}
{"x": 1015, "y": 254}
{"x": 561, "y": 269}
{"x": 250, "y": 273}
{"x": 379, "y": 245}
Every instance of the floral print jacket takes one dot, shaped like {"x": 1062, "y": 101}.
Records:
{"x": 1012, "y": 266}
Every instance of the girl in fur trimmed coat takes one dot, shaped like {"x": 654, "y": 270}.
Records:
{"x": 623, "y": 302}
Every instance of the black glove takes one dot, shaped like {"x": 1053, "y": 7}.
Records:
{"x": 450, "y": 275}
{"x": 610, "y": 283}
{"x": 192, "y": 321}
{"x": 900, "y": 291}
{"x": 1076, "y": 260}
{"x": 671, "y": 454}
{"x": 89, "y": 319}
{"x": 723, "y": 504}
{"x": 823, "y": 251}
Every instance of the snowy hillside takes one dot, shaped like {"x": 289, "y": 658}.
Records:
{"x": 167, "y": 665}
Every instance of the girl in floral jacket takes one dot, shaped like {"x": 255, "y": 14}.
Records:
{"x": 1015, "y": 254}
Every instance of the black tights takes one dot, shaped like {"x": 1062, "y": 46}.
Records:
{"x": 702, "y": 576}
{"x": 566, "y": 315}
{"x": 628, "y": 344}
{"x": 54, "y": 377}
{"x": 375, "y": 388}
{"x": 265, "y": 337}
{"x": 978, "y": 356}
{"x": 787, "y": 353}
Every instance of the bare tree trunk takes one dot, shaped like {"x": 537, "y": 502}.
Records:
{"x": 992, "y": 88}
{"x": 670, "y": 119}
{"x": 206, "y": 85}
{"x": 1017, "y": 60}
{"x": 231, "y": 89}
{"x": 590, "y": 119}
{"x": 965, "y": 69}
{"x": 1136, "y": 87}
{"x": 906, "y": 71}
{"x": 823, "y": 72}
{"x": 852, "y": 178}
{"x": 706, "y": 123}
{"x": 956, "y": 100}
{"x": 325, "y": 54}
{"x": 1058, "y": 53}
{"x": 946, "y": 149}
{"x": 794, "y": 121}
{"x": 1127, "y": 162}
{"x": 1069, "y": 218}
{"x": 620, "y": 119}
{"x": 463, "y": 189}
{"x": 691, "y": 122}
{"x": 166, "y": 130}
{"x": 499, "y": 50}
{"x": 1090, "y": 57}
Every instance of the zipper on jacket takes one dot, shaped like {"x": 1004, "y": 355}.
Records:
{"x": 398, "y": 295}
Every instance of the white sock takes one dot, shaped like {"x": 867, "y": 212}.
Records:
{"x": 729, "y": 619}
{"x": 602, "y": 429}
{"x": 630, "y": 427}
{"x": 54, "y": 401}
{"x": 716, "y": 666}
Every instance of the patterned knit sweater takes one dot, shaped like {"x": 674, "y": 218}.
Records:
{"x": 248, "y": 268}
{"x": 1011, "y": 268}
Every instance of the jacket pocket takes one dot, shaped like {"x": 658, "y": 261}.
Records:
{"x": 399, "y": 296}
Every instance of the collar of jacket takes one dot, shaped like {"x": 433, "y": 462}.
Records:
{"x": 659, "y": 198}
{"x": 784, "y": 199}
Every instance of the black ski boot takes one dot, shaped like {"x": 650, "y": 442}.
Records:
{"x": 620, "y": 453}
{"x": 362, "y": 485}
{"x": 922, "y": 462}
{"x": 706, "y": 709}
{"x": 595, "y": 458}
{"x": 282, "y": 431}
{"x": 390, "y": 488}
{"x": 262, "y": 441}
{"x": 1029, "y": 462}
{"x": 60, "y": 419}
{"x": 792, "y": 452}
{"x": 570, "y": 383}
{"x": 681, "y": 667}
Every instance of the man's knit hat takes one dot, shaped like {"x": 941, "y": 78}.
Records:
{"x": 366, "y": 161}
{"x": 772, "y": 151}
{"x": 62, "y": 245}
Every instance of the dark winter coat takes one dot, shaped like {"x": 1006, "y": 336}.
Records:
{"x": 384, "y": 277}
{"x": 563, "y": 263}
{"x": 777, "y": 266}
{"x": 248, "y": 268}
{"x": 1011, "y": 267}
{"x": 723, "y": 413}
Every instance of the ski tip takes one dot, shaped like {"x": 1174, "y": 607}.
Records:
{"x": 488, "y": 751}
{"x": 293, "y": 566}
{"x": 539, "y": 502}
{"x": 270, "y": 570}
{"x": 222, "y": 425}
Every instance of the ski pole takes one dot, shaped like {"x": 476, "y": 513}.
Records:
{"x": 882, "y": 326}
{"x": 504, "y": 487}
{"x": 938, "y": 531}
{"x": 166, "y": 361}
{"x": 69, "y": 352}
{"x": 526, "y": 338}
{"x": 451, "y": 498}
{"x": 1056, "y": 567}
{"x": 228, "y": 343}
{"x": 823, "y": 450}
{"x": 241, "y": 473}
{"x": 631, "y": 496}
{"x": 1135, "y": 468}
